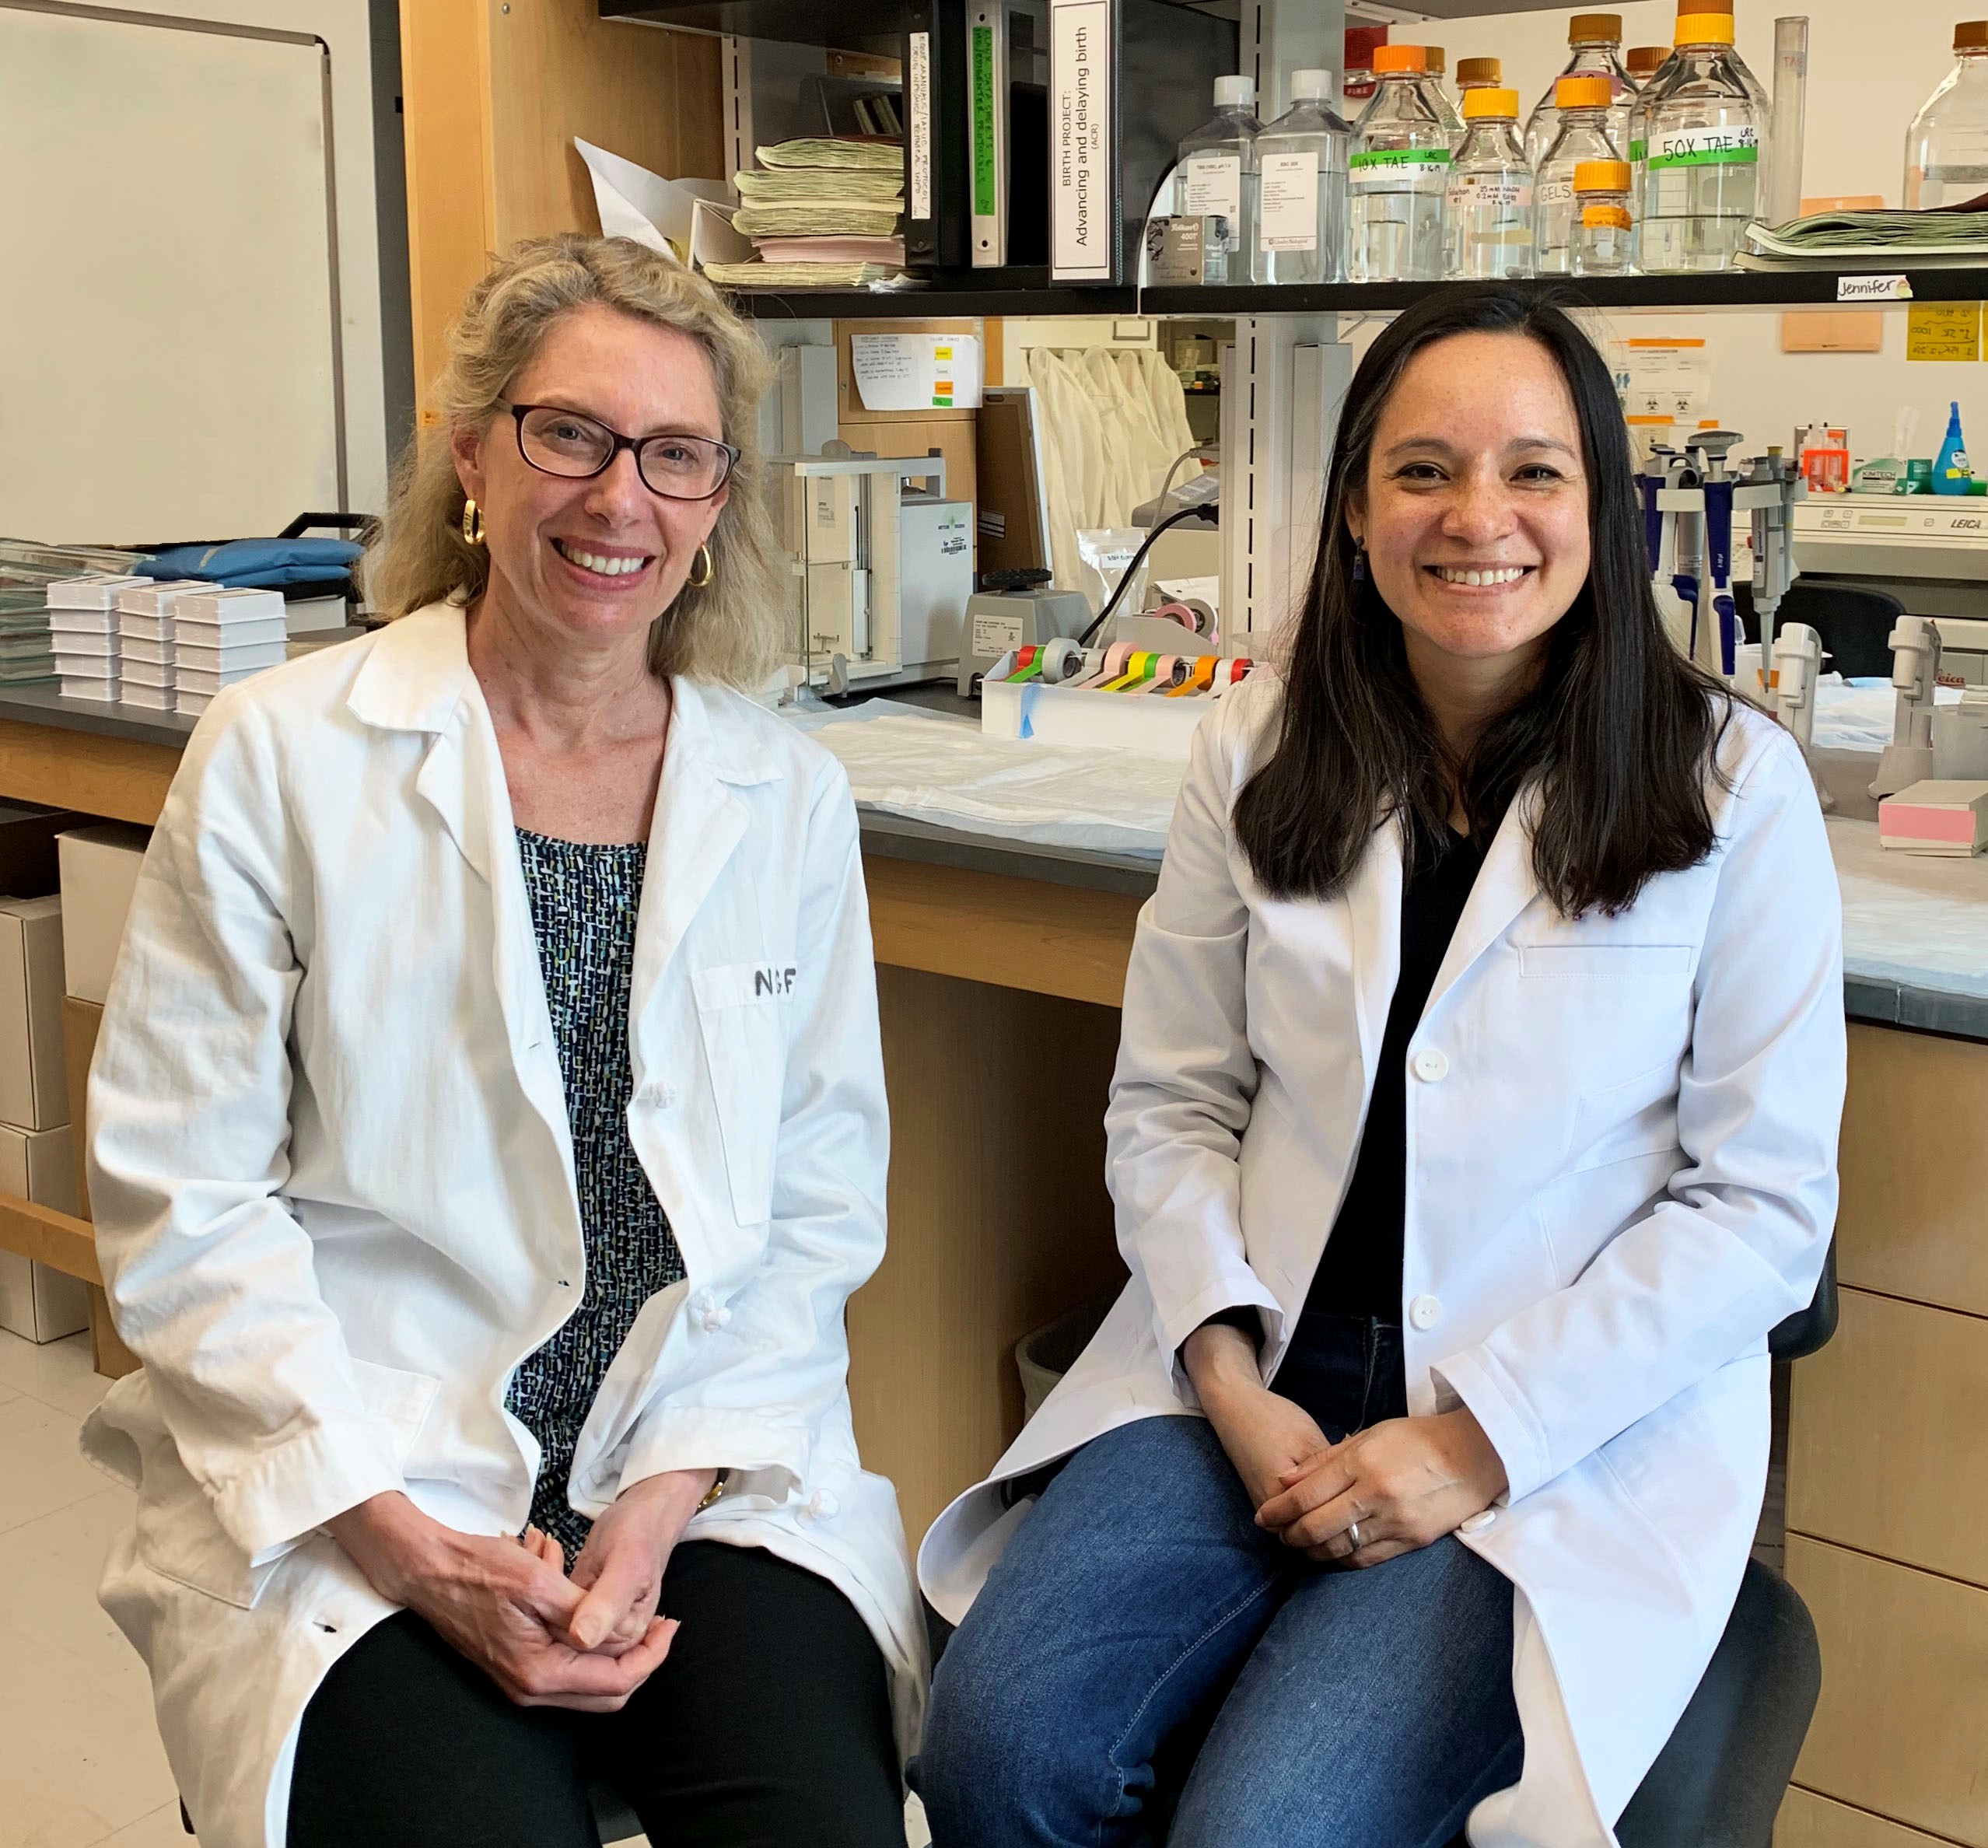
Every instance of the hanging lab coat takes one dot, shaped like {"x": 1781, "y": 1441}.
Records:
{"x": 1621, "y": 1137}
{"x": 333, "y": 1177}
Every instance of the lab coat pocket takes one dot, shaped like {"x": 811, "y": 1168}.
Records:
{"x": 742, "y": 1015}
{"x": 1638, "y": 1116}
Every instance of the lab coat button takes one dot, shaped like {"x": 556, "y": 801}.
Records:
{"x": 1425, "y": 1312}
{"x": 662, "y": 1096}
{"x": 1478, "y": 1522}
{"x": 1431, "y": 1065}
{"x": 821, "y": 1505}
{"x": 716, "y": 1316}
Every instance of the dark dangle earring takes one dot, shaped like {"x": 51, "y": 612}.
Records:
{"x": 1360, "y": 562}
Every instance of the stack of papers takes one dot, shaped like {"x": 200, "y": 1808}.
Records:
{"x": 220, "y": 637}
{"x": 145, "y": 638}
{"x": 82, "y": 621}
{"x": 822, "y": 214}
{"x": 1868, "y": 239}
{"x": 27, "y": 655}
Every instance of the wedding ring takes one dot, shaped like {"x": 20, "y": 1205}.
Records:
{"x": 1353, "y": 1534}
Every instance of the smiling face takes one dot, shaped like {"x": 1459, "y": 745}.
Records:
{"x": 593, "y": 562}
{"x": 1474, "y": 510}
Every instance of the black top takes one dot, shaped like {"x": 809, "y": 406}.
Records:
{"x": 584, "y": 903}
{"x": 1360, "y": 1273}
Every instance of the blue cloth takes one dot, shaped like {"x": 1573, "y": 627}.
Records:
{"x": 1146, "y": 1664}
{"x": 243, "y": 563}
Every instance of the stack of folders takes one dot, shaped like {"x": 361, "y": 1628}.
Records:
{"x": 145, "y": 635}
{"x": 822, "y": 214}
{"x": 1869, "y": 239}
{"x": 82, "y": 620}
{"x": 26, "y": 654}
{"x": 220, "y": 637}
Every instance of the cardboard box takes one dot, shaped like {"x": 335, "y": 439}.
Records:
{"x": 34, "y": 1089}
{"x": 100, "y": 873}
{"x": 36, "y": 1303}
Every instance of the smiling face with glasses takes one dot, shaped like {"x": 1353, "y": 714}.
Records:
{"x": 602, "y": 473}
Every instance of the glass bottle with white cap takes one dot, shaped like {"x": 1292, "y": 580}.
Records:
{"x": 1217, "y": 182}
{"x": 1301, "y": 194}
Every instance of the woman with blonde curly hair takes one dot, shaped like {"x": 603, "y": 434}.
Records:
{"x": 487, "y": 1127}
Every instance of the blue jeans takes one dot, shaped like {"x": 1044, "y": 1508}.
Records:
{"x": 1146, "y": 1664}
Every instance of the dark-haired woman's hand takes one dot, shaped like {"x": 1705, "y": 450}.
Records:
{"x": 1404, "y": 1482}
{"x": 1264, "y": 1435}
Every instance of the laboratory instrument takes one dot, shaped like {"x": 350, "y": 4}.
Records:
{"x": 1767, "y": 494}
{"x": 1595, "y": 41}
{"x": 1946, "y": 158}
{"x": 1908, "y": 759}
{"x": 1217, "y": 183}
{"x": 1687, "y": 523}
{"x": 1798, "y": 659}
{"x": 1603, "y": 230}
{"x": 1583, "y": 109}
{"x": 1015, "y": 610}
{"x": 1702, "y": 154}
{"x": 1780, "y": 186}
{"x": 1952, "y": 472}
{"x": 880, "y": 573}
{"x": 1488, "y": 209}
{"x": 1301, "y": 192}
{"x": 1399, "y": 170}
{"x": 1436, "y": 62}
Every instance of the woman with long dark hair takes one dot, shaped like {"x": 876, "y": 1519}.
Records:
{"x": 1475, "y": 1120}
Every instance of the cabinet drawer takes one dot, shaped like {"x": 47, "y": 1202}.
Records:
{"x": 1902, "y": 1728}
{"x": 1914, "y": 1165}
{"x": 1808, "y": 1820}
{"x": 1888, "y": 1450}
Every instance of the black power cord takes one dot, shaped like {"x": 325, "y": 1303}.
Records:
{"x": 1111, "y": 602}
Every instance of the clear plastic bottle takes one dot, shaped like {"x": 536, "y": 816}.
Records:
{"x": 1583, "y": 106}
{"x": 1488, "y": 209}
{"x": 1436, "y": 67}
{"x": 1218, "y": 182}
{"x": 1946, "y": 160}
{"x": 1399, "y": 171}
{"x": 1301, "y": 195}
{"x": 1594, "y": 42}
{"x": 1702, "y": 155}
{"x": 1603, "y": 232}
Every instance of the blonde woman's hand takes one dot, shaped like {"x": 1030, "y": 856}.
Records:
{"x": 620, "y": 1568}
{"x": 1405, "y": 1481}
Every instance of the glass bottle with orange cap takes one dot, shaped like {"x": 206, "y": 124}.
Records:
{"x": 1946, "y": 147}
{"x": 1585, "y": 106}
{"x": 1397, "y": 173}
{"x": 1594, "y": 48}
{"x": 1701, "y": 174}
{"x": 1435, "y": 72}
{"x": 1603, "y": 230}
{"x": 1487, "y": 212}
{"x": 1646, "y": 88}
{"x": 1479, "y": 73}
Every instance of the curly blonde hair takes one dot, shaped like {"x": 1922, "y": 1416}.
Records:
{"x": 728, "y": 630}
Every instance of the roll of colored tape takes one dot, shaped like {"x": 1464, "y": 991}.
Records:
{"x": 1168, "y": 672}
{"x": 1113, "y": 665}
{"x": 1199, "y": 680}
{"x": 1028, "y": 663}
{"x": 1065, "y": 659}
{"x": 1175, "y": 611}
{"x": 1138, "y": 669}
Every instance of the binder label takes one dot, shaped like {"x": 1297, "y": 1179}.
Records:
{"x": 920, "y": 125}
{"x": 985, "y": 192}
{"x": 1080, "y": 102}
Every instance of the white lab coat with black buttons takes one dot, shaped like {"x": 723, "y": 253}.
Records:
{"x": 1621, "y": 1136}
{"x": 333, "y": 1177}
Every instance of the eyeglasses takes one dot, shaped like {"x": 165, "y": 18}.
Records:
{"x": 559, "y": 442}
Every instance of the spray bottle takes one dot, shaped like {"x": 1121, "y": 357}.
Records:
{"x": 1952, "y": 471}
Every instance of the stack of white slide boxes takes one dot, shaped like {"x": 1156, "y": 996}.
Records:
{"x": 83, "y": 623}
{"x": 145, "y": 634}
{"x": 221, "y": 636}
{"x": 37, "y": 1148}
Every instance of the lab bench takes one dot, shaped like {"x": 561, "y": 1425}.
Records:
{"x": 1000, "y": 970}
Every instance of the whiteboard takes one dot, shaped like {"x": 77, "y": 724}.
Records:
{"x": 168, "y": 346}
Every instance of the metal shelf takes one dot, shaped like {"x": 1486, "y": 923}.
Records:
{"x": 953, "y": 295}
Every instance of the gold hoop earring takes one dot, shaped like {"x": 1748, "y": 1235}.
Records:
{"x": 704, "y": 560}
{"x": 472, "y": 522}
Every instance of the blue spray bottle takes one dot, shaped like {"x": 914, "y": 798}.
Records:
{"x": 1951, "y": 472}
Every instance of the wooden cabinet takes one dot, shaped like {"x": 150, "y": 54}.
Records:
{"x": 1887, "y": 1453}
{"x": 494, "y": 93}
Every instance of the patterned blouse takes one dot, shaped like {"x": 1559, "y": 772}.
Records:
{"x": 584, "y": 900}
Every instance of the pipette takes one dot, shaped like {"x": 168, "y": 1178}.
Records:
{"x": 1908, "y": 759}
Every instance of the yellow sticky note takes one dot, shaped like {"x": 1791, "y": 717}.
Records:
{"x": 946, "y": 352}
{"x": 1943, "y": 331}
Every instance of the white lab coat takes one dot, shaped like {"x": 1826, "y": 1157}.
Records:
{"x": 332, "y": 1174}
{"x": 1622, "y": 1138}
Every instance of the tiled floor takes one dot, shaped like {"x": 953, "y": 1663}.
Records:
{"x": 80, "y": 1762}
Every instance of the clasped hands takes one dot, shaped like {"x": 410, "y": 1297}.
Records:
{"x": 585, "y": 1642}
{"x": 1405, "y": 1481}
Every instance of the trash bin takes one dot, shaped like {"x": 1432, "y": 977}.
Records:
{"x": 1044, "y": 1357}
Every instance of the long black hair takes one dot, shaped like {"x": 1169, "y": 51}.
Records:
{"x": 1618, "y": 727}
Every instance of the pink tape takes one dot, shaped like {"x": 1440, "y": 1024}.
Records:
{"x": 1115, "y": 658}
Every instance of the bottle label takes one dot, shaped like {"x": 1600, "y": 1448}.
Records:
{"x": 1639, "y": 150}
{"x": 1395, "y": 169}
{"x": 1488, "y": 190}
{"x": 1214, "y": 186}
{"x": 1287, "y": 208}
{"x": 1669, "y": 148}
{"x": 1556, "y": 192}
{"x": 1605, "y": 217}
